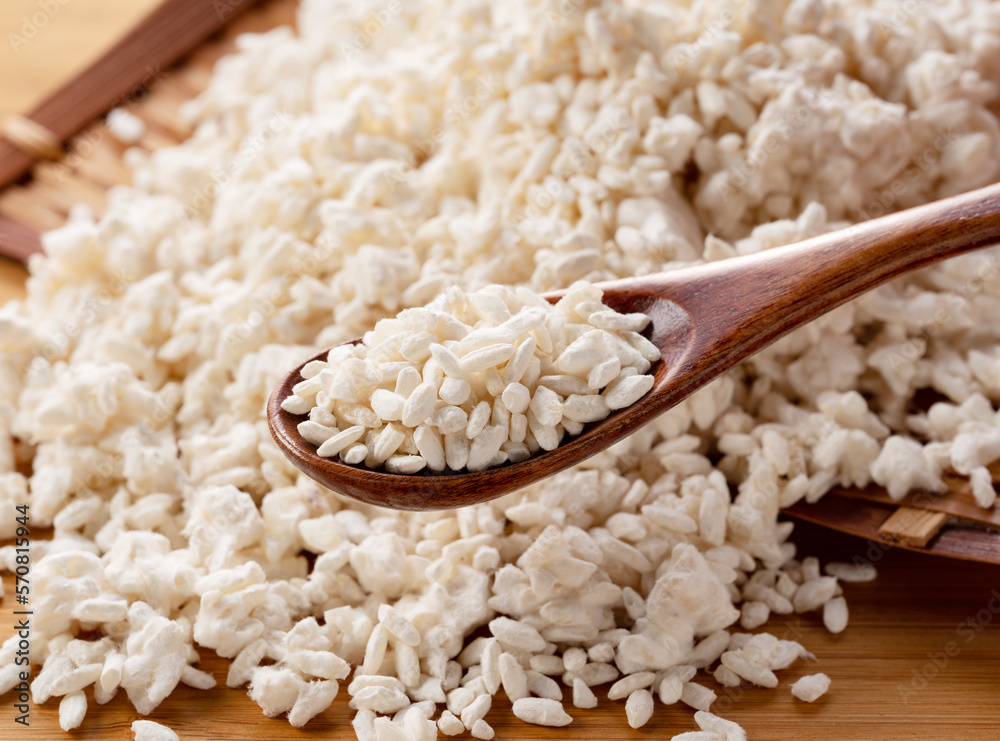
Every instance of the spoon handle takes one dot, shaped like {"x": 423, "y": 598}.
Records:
{"x": 741, "y": 305}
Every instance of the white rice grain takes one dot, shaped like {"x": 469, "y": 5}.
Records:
{"x": 639, "y": 708}
{"x": 541, "y": 712}
{"x": 811, "y": 687}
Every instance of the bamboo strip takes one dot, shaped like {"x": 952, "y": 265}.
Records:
{"x": 102, "y": 162}
{"x": 912, "y": 526}
{"x": 18, "y": 241}
{"x": 29, "y": 210}
{"x": 134, "y": 64}
{"x": 82, "y": 190}
{"x": 957, "y": 501}
{"x": 160, "y": 111}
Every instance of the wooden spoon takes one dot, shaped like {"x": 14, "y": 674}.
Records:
{"x": 705, "y": 319}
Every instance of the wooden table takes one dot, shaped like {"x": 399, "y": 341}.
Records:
{"x": 919, "y": 660}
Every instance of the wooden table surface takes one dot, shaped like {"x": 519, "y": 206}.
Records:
{"x": 920, "y": 658}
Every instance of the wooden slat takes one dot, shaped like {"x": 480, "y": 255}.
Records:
{"x": 17, "y": 240}
{"x": 863, "y": 519}
{"x": 29, "y": 210}
{"x": 102, "y": 164}
{"x": 914, "y": 527}
{"x": 169, "y": 32}
{"x": 82, "y": 190}
{"x": 155, "y": 139}
{"x": 968, "y": 543}
{"x": 52, "y": 197}
{"x": 94, "y": 160}
{"x": 161, "y": 110}
{"x": 965, "y": 530}
{"x": 957, "y": 501}
{"x": 12, "y": 276}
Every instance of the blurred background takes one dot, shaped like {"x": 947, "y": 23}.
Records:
{"x": 44, "y": 42}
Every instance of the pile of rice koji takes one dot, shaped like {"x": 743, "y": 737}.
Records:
{"x": 388, "y": 151}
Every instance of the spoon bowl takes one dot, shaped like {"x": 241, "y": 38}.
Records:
{"x": 670, "y": 330}
{"x": 705, "y": 319}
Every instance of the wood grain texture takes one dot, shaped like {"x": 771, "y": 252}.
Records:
{"x": 62, "y": 41}
{"x": 957, "y": 500}
{"x": 705, "y": 320}
{"x": 894, "y": 676}
{"x": 863, "y": 518}
{"x": 918, "y": 661}
{"x": 12, "y": 279}
{"x": 129, "y": 69}
{"x": 94, "y": 160}
{"x": 912, "y": 526}
{"x": 18, "y": 241}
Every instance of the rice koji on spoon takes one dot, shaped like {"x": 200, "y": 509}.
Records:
{"x": 704, "y": 320}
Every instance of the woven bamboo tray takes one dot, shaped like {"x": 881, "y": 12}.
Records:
{"x": 949, "y": 524}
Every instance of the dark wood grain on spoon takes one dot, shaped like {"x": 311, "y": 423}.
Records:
{"x": 705, "y": 319}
